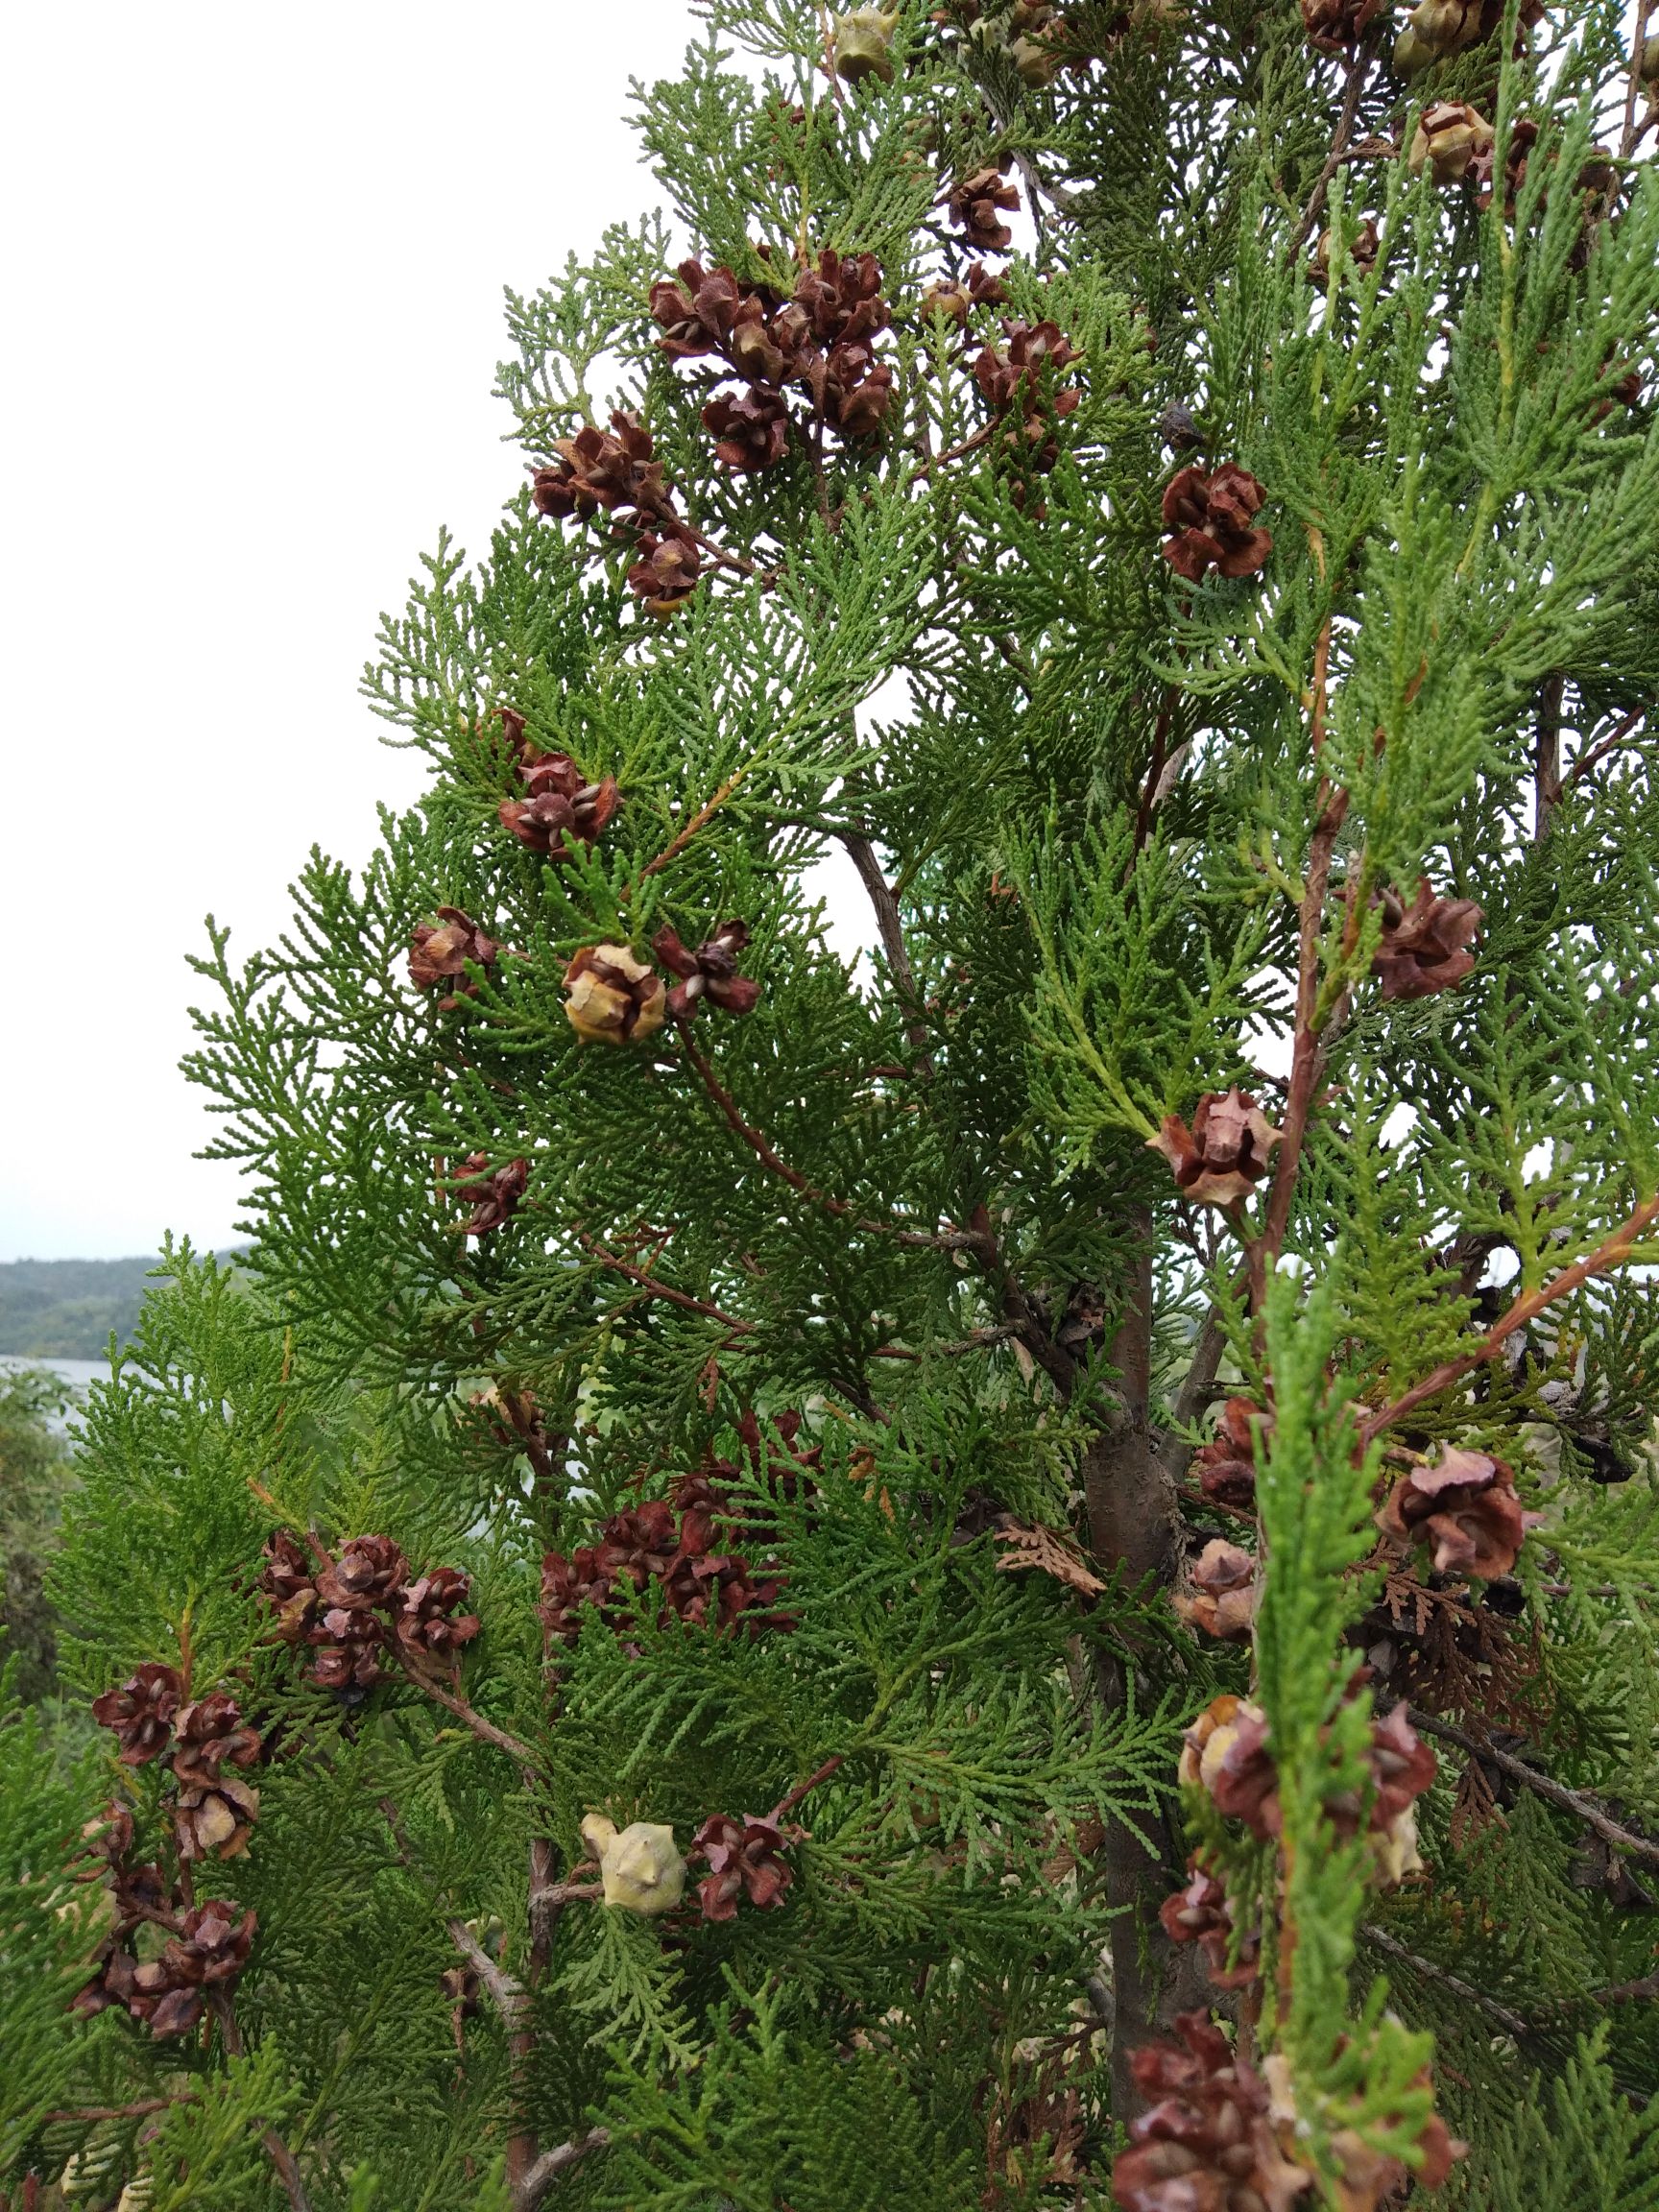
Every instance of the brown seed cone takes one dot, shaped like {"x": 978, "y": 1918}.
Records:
{"x": 141, "y": 1712}
{"x": 288, "y": 1569}
{"x": 1425, "y": 945}
{"x": 210, "y": 1951}
{"x": 1449, "y": 139}
{"x": 563, "y": 807}
{"x": 348, "y": 1646}
{"x": 1208, "y": 513}
{"x": 856, "y": 391}
{"x": 745, "y": 1857}
{"x": 840, "y": 300}
{"x": 427, "y": 1623}
{"x": 1436, "y": 29}
{"x": 215, "y": 1821}
{"x": 1363, "y": 252}
{"x": 290, "y": 1587}
{"x": 1226, "y": 1467}
{"x": 976, "y": 203}
{"x": 1221, "y": 1601}
{"x": 441, "y": 951}
{"x": 756, "y": 350}
{"x": 599, "y": 471}
{"x": 1334, "y": 25}
{"x": 696, "y": 314}
{"x": 708, "y": 973}
{"x": 1225, "y": 1153}
{"x": 1464, "y": 1507}
{"x": 612, "y": 998}
{"x": 215, "y": 1811}
{"x": 1202, "y": 1913}
{"x": 495, "y": 1194}
{"x": 750, "y": 429}
{"x": 1033, "y": 348}
{"x": 1402, "y": 1767}
{"x": 108, "y": 1837}
{"x": 947, "y": 300}
{"x": 366, "y": 1573}
{"x": 667, "y": 570}
{"x": 567, "y": 1587}
{"x": 1206, "y": 2141}
{"x": 214, "y": 1946}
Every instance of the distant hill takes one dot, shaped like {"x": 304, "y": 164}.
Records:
{"x": 66, "y": 1308}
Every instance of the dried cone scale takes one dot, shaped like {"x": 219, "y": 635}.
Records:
{"x": 611, "y": 998}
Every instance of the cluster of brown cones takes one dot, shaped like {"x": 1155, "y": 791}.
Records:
{"x": 356, "y": 1610}
{"x": 211, "y": 1750}
{"x": 819, "y": 341}
{"x": 667, "y": 1558}
{"x": 614, "y": 474}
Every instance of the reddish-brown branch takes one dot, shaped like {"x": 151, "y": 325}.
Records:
{"x": 682, "y": 838}
{"x": 1633, "y": 95}
{"x": 750, "y": 1135}
{"x": 485, "y": 1730}
{"x": 1579, "y": 1802}
{"x": 787, "y": 1804}
{"x": 1307, "y": 1053}
{"x": 1358, "y": 69}
{"x": 1154, "y": 771}
{"x": 648, "y": 1282}
{"x": 1611, "y": 1253}
{"x": 1547, "y": 754}
{"x": 1598, "y": 753}
{"x": 981, "y": 437}
{"x": 141, "y": 2109}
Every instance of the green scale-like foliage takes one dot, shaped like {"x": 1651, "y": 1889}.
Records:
{"x": 870, "y": 1255}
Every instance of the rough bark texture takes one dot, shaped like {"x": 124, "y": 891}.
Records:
{"x": 1134, "y": 1522}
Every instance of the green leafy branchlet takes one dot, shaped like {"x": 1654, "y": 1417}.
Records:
{"x": 1018, "y": 1573}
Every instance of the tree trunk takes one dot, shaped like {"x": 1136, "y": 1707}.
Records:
{"x": 1134, "y": 1523}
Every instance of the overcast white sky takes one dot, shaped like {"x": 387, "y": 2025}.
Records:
{"x": 251, "y": 271}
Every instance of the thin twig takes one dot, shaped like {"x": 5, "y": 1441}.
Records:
{"x": 682, "y": 838}
{"x": 1148, "y": 801}
{"x": 1359, "y": 71}
{"x": 1598, "y": 753}
{"x": 509, "y": 1996}
{"x": 750, "y": 1135}
{"x": 787, "y": 1804}
{"x": 139, "y": 2110}
{"x": 1547, "y": 754}
{"x": 1308, "y": 1054}
{"x": 1613, "y": 1253}
{"x": 647, "y": 1281}
{"x": 981, "y": 1340}
{"x": 485, "y": 1730}
{"x": 275, "y": 2149}
{"x": 981, "y": 437}
{"x": 1582, "y": 1806}
{"x": 547, "y": 2169}
{"x": 1633, "y": 95}
{"x": 1380, "y": 1938}
{"x": 890, "y": 926}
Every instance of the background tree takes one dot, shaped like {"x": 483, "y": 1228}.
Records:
{"x": 801, "y": 1588}
{"x": 34, "y": 1477}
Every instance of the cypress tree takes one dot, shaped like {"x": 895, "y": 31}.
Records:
{"x": 1021, "y": 1574}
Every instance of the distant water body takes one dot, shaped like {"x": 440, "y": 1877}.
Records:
{"x": 77, "y": 1373}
